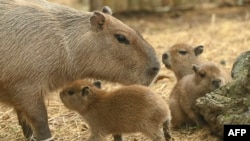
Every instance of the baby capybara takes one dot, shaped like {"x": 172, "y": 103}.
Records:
{"x": 128, "y": 109}
{"x": 180, "y": 57}
{"x": 206, "y": 77}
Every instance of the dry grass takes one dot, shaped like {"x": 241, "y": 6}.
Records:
{"x": 224, "y": 33}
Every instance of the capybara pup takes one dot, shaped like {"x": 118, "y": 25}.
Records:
{"x": 128, "y": 109}
{"x": 206, "y": 77}
{"x": 180, "y": 57}
{"x": 45, "y": 45}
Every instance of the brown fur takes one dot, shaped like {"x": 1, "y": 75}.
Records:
{"x": 45, "y": 45}
{"x": 129, "y": 109}
{"x": 180, "y": 57}
{"x": 206, "y": 78}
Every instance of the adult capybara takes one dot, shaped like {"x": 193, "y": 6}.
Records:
{"x": 128, "y": 109}
{"x": 45, "y": 45}
{"x": 180, "y": 57}
{"x": 206, "y": 77}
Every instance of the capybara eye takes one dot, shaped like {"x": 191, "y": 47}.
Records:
{"x": 121, "y": 39}
{"x": 98, "y": 84}
{"x": 71, "y": 92}
{"x": 182, "y": 52}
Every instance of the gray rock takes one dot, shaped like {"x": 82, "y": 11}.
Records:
{"x": 229, "y": 104}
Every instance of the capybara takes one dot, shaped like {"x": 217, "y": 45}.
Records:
{"x": 180, "y": 57}
{"x": 133, "y": 108}
{"x": 44, "y": 45}
{"x": 206, "y": 77}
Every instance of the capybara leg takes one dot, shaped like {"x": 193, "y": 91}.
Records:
{"x": 117, "y": 137}
{"x": 37, "y": 116}
{"x": 158, "y": 138}
{"x": 166, "y": 130}
{"x": 96, "y": 137}
{"x": 196, "y": 118}
{"x": 27, "y": 131}
{"x": 155, "y": 134}
{"x": 178, "y": 115}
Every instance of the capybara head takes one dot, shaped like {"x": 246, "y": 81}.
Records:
{"x": 45, "y": 45}
{"x": 208, "y": 75}
{"x": 119, "y": 53}
{"x": 79, "y": 93}
{"x": 180, "y": 57}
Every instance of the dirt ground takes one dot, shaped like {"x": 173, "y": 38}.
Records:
{"x": 223, "y": 32}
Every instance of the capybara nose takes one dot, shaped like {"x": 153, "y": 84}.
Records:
{"x": 216, "y": 83}
{"x": 155, "y": 69}
{"x": 164, "y": 56}
{"x": 165, "y": 60}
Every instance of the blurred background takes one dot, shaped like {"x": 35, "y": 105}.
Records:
{"x": 151, "y": 5}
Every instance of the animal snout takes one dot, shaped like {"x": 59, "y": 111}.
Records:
{"x": 166, "y": 60}
{"x": 216, "y": 83}
{"x": 154, "y": 69}
{"x": 164, "y": 56}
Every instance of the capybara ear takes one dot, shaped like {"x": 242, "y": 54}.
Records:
{"x": 107, "y": 10}
{"x": 85, "y": 91}
{"x": 198, "y": 50}
{"x": 198, "y": 71}
{"x": 97, "y": 84}
{"x": 195, "y": 68}
{"x": 97, "y": 20}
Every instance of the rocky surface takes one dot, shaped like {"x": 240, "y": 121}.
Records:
{"x": 229, "y": 104}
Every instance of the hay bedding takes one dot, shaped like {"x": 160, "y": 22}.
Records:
{"x": 224, "y": 33}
